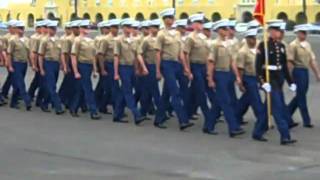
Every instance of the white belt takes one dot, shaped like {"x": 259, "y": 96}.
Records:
{"x": 273, "y": 68}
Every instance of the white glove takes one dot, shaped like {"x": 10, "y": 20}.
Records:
{"x": 266, "y": 87}
{"x": 293, "y": 87}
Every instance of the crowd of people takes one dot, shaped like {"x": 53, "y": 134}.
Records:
{"x": 162, "y": 68}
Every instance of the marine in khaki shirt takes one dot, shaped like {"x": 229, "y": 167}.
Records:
{"x": 246, "y": 59}
{"x": 50, "y": 48}
{"x": 66, "y": 45}
{"x": 300, "y": 54}
{"x": 148, "y": 49}
{"x": 18, "y": 48}
{"x": 126, "y": 49}
{"x": 196, "y": 46}
{"x": 2, "y": 61}
{"x": 35, "y": 42}
{"x": 84, "y": 49}
{"x": 169, "y": 43}
{"x": 235, "y": 46}
{"x": 220, "y": 54}
{"x": 106, "y": 47}
{"x": 5, "y": 40}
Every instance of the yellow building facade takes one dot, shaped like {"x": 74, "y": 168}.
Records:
{"x": 97, "y": 10}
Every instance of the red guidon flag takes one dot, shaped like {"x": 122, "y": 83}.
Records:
{"x": 259, "y": 11}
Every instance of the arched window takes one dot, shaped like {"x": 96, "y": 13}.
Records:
{"x": 215, "y": 16}
{"x": 86, "y": 16}
{"x": 247, "y": 16}
{"x": 73, "y": 17}
{"x": 317, "y": 17}
{"x": 139, "y": 17}
{"x": 51, "y": 16}
{"x": 99, "y": 17}
{"x": 8, "y": 17}
{"x": 184, "y": 15}
{"x": 154, "y": 16}
{"x": 112, "y": 16}
{"x": 30, "y": 20}
{"x": 301, "y": 18}
{"x": 283, "y": 16}
{"x": 125, "y": 15}
{"x": 18, "y": 16}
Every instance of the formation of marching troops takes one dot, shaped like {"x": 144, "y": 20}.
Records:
{"x": 131, "y": 57}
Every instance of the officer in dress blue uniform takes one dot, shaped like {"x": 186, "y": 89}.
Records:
{"x": 83, "y": 66}
{"x": 49, "y": 67}
{"x": 278, "y": 70}
{"x": 301, "y": 57}
{"x": 18, "y": 58}
{"x": 172, "y": 67}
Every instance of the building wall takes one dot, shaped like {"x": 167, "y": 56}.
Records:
{"x": 213, "y": 9}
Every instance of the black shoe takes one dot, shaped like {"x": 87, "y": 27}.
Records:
{"x": 260, "y": 139}
{"x": 310, "y": 126}
{"x": 74, "y": 114}
{"x": 186, "y": 126}
{"x": 45, "y": 110}
{"x": 95, "y": 116}
{"x": 160, "y": 126}
{"x": 14, "y": 107}
{"x": 140, "y": 120}
{"x": 152, "y": 112}
{"x": 116, "y": 120}
{"x": 206, "y": 131}
{"x": 220, "y": 121}
{"x": 84, "y": 110}
{"x": 28, "y": 108}
{"x": 2, "y": 103}
{"x": 288, "y": 142}
{"x": 60, "y": 112}
{"x": 243, "y": 123}
{"x": 193, "y": 118}
{"x": 236, "y": 133}
{"x": 293, "y": 125}
{"x": 104, "y": 111}
{"x": 170, "y": 114}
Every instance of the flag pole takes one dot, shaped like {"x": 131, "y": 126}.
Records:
{"x": 266, "y": 53}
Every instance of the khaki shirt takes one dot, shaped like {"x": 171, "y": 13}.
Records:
{"x": 50, "y": 47}
{"x": 1, "y": 46}
{"x": 106, "y": 47}
{"x": 197, "y": 47}
{"x": 300, "y": 54}
{"x": 19, "y": 48}
{"x": 220, "y": 54}
{"x": 5, "y": 40}
{"x": 35, "y": 40}
{"x": 169, "y": 43}
{"x": 139, "y": 38}
{"x": 66, "y": 44}
{"x": 148, "y": 49}
{"x": 126, "y": 49}
{"x": 97, "y": 40}
{"x": 246, "y": 59}
{"x": 235, "y": 46}
{"x": 83, "y": 48}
